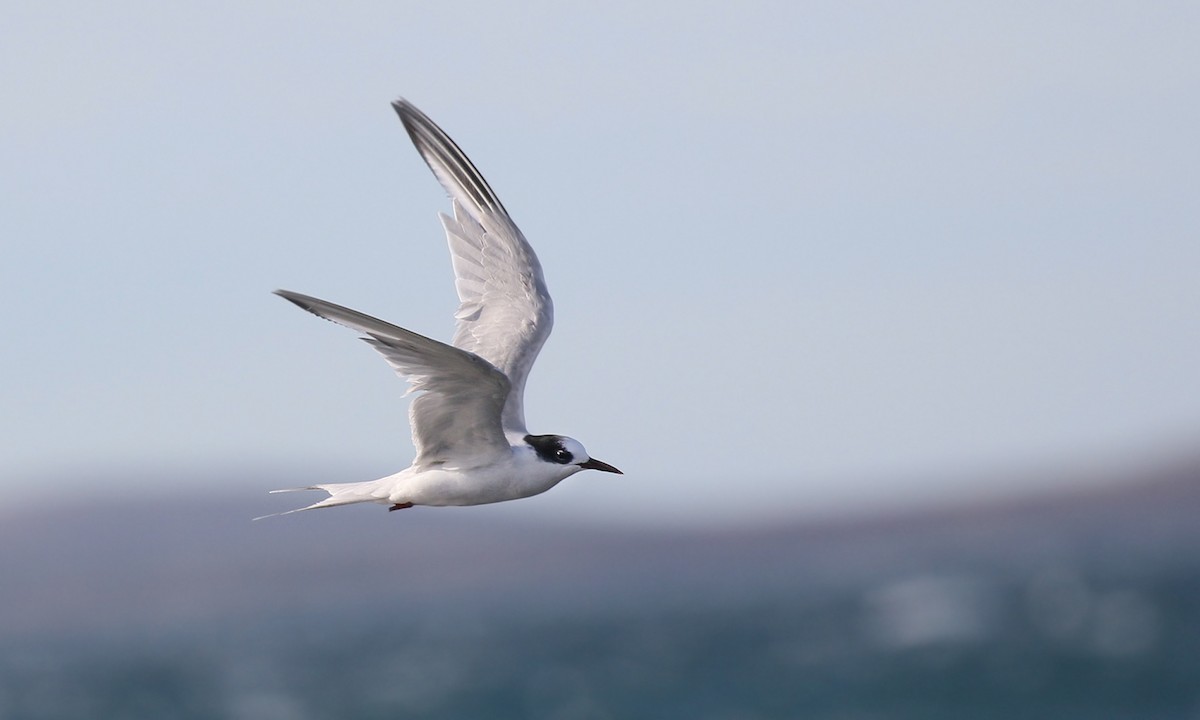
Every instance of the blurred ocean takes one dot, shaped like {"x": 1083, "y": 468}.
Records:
{"x": 1074, "y": 606}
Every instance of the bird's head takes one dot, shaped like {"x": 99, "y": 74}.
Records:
{"x": 562, "y": 450}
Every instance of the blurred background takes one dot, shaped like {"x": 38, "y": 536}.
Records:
{"x": 888, "y": 313}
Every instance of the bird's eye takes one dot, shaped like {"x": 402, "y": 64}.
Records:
{"x": 562, "y": 456}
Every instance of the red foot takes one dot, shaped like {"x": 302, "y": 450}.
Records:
{"x": 400, "y": 506}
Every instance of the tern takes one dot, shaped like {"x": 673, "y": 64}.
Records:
{"x": 468, "y": 420}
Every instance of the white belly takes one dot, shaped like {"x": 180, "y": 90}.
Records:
{"x": 478, "y": 486}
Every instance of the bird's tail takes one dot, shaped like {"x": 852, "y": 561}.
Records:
{"x": 339, "y": 494}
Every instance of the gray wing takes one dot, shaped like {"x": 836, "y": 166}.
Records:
{"x": 504, "y": 313}
{"x": 456, "y": 419}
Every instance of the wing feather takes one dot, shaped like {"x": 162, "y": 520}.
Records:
{"x": 456, "y": 418}
{"x": 505, "y": 313}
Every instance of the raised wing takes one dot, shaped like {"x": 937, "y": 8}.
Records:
{"x": 504, "y": 313}
{"x": 456, "y": 419}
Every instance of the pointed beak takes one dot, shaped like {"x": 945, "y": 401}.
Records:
{"x": 594, "y": 464}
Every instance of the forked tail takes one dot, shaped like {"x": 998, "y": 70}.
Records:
{"x": 339, "y": 494}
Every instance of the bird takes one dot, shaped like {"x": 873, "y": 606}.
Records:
{"x": 468, "y": 417}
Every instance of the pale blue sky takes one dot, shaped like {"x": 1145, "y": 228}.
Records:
{"x": 804, "y": 256}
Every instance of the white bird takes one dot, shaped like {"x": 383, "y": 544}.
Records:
{"x": 468, "y": 422}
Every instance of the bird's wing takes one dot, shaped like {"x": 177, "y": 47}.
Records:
{"x": 504, "y": 313}
{"x": 456, "y": 419}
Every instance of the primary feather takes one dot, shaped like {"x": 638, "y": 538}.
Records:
{"x": 505, "y": 313}
{"x": 455, "y": 419}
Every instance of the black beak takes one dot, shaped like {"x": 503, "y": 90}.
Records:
{"x": 594, "y": 464}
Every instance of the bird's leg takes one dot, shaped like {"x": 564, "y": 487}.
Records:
{"x": 400, "y": 506}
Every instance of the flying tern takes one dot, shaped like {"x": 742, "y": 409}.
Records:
{"x": 468, "y": 420}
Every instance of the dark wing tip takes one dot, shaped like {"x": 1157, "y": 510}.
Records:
{"x": 411, "y": 117}
{"x": 306, "y": 303}
{"x": 403, "y": 107}
{"x": 295, "y": 298}
{"x": 439, "y": 150}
